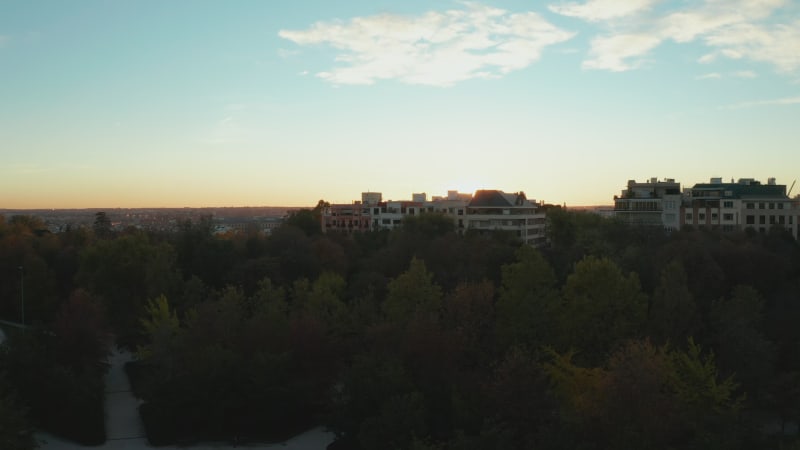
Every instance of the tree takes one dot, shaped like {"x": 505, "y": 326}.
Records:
{"x": 708, "y": 403}
{"x": 526, "y": 309}
{"x": 740, "y": 346}
{"x": 602, "y": 307}
{"x": 124, "y": 273}
{"x": 83, "y": 335}
{"x": 413, "y": 293}
{"x": 673, "y": 315}
{"x": 102, "y": 225}
{"x": 306, "y": 220}
{"x": 520, "y": 403}
{"x": 16, "y": 431}
{"x": 160, "y": 326}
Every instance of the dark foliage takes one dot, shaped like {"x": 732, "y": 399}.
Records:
{"x": 421, "y": 338}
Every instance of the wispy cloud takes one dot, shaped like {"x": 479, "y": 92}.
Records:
{"x": 745, "y": 74}
{"x": 597, "y": 10}
{"x": 709, "y": 76}
{"x": 779, "y": 101}
{"x": 435, "y": 48}
{"x": 735, "y": 29}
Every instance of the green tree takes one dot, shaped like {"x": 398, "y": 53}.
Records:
{"x": 708, "y": 404}
{"x": 413, "y": 293}
{"x": 83, "y": 334}
{"x": 160, "y": 326}
{"x": 741, "y": 347}
{"x": 602, "y": 307}
{"x": 124, "y": 273}
{"x": 526, "y": 309}
{"x": 16, "y": 431}
{"x": 673, "y": 315}
{"x": 306, "y": 220}
{"x": 102, "y": 225}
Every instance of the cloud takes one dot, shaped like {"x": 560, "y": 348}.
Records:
{"x": 707, "y": 58}
{"x": 709, "y": 76}
{"x": 435, "y": 48}
{"x": 614, "y": 52}
{"x": 779, "y": 101}
{"x": 598, "y": 10}
{"x": 734, "y": 29}
{"x": 745, "y": 74}
{"x": 773, "y": 44}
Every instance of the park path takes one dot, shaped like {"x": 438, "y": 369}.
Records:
{"x": 124, "y": 429}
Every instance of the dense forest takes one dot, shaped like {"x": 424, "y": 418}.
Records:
{"x": 611, "y": 337}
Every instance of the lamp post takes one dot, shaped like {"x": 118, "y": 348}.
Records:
{"x": 22, "y": 293}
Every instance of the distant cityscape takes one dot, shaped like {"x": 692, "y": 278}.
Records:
{"x": 159, "y": 219}
{"x": 715, "y": 205}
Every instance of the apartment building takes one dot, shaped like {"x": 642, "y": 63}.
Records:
{"x": 652, "y": 203}
{"x": 352, "y": 217}
{"x": 739, "y": 205}
{"x": 491, "y": 210}
{"x": 486, "y": 211}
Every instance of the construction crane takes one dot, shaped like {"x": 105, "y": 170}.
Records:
{"x": 790, "y": 188}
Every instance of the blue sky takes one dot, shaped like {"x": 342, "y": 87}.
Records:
{"x": 208, "y": 103}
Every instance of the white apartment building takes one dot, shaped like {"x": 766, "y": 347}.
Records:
{"x": 491, "y": 210}
{"x": 653, "y": 203}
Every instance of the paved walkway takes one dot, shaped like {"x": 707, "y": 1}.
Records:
{"x": 124, "y": 430}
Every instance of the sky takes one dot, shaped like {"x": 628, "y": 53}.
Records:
{"x": 192, "y": 103}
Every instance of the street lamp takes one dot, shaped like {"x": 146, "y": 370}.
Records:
{"x": 22, "y": 292}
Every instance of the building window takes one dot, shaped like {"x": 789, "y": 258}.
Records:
{"x": 761, "y": 205}
{"x": 727, "y": 217}
{"x": 782, "y": 220}
{"x": 762, "y": 220}
{"x": 780, "y": 205}
{"x": 750, "y": 220}
{"x": 701, "y": 217}
{"x": 772, "y": 205}
{"x": 772, "y": 220}
{"x": 714, "y": 216}
{"x": 751, "y": 206}
{"x": 727, "y": 204}
{"x": 688, "y": 217}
